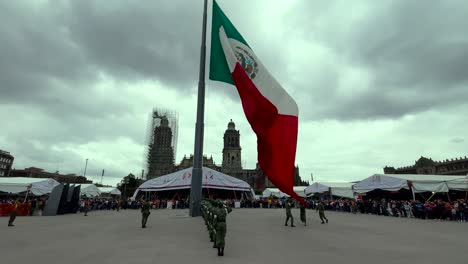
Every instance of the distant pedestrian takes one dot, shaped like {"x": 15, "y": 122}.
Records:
{"x": 321, "y": 210}
{"x": 303, "y": 214}
{"x": 288, "y": 206}
{"x": 86, "y": 207}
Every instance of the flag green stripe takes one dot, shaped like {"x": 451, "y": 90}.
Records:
{"x": 219, "y": 70}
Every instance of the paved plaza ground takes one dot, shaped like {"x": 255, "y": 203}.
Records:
{"x": 254, "y": 236}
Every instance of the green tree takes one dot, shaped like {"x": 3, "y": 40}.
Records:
{"x": 128, "y": 185}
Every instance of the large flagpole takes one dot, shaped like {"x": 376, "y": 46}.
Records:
{"x": 197, "y": 171}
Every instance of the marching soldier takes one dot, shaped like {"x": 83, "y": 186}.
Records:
{"x": 288, "y": 213}
{"x": 303, "y": 215}
{"x": 321, "y": 210}
{"x": 14, "y": 212}
{"x": 145, "y": 212}
{"x": 220, "y": 226}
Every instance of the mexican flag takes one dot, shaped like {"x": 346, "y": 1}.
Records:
{"x": 271, "y": 112}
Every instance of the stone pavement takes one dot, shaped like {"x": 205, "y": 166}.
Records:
{"x": 254, "y": 236}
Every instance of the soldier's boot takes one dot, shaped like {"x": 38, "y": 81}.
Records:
{"x": 219, "y": 251}
{"x": 222, "y": 251}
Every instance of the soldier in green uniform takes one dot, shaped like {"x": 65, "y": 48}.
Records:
{"x": 145, "y": 212}
{"x": 288, "y": 213}
{"x": 303, "y": 215}
{"x": 220, "y": 226}
{"x": 321, "y": 211}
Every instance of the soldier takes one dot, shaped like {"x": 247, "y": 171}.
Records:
{"x": 303, "y": 215}
{"x": 14, "y": 212}
{"x": 145, "y": 212}
{"x": 321, "y": 210}
{"x": 220, "y": 226}
{"x": 288, "y": 213}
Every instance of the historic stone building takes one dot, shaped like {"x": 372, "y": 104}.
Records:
{"x": 187, "y": 162}
{"x": 163, "y": 159}
{"x": 457, "y": 166}
{"x": 6, "y": 162}
{"x": 161, "y": 151}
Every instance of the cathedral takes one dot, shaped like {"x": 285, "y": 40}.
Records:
{"x": 231, "y": 164}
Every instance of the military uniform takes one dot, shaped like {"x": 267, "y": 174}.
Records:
{"x": 145, "y": 212}
{"x": 13, "y": 213}
{"x": 321, "y": 210}
{"x": 220, "y": 227}
{"x": 289, "y": 214}
{"x": 303, "y": 215}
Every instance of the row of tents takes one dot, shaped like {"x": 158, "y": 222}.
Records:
{"x": 181, "y": 180}
{"x": 417, "y": 183}
{"x": 43, "y": 186}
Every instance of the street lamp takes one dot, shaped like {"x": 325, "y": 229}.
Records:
{"x": 86, "y": 166}
{"x": 125, "y": 187}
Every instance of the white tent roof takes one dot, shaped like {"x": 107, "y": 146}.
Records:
{"x": 109, "y": 190}
{"x": 341, "y": 189}
{"x": 89, "y": 190}
{"x": 273, "y": 192}
{"x": 277, "y": 193}
{"x": 38, "y": 186}
{"x": 420, "y": 182}
{"x": 182, "y": 180}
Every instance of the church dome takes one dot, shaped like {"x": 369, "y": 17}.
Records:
{"x": 231, "y": 125}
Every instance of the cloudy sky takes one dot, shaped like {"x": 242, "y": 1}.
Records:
{"x": 377, "y": 82}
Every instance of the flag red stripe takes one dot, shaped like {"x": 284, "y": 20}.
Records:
{"x": 276, "y": 133}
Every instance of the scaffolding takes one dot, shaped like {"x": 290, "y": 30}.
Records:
{"x": 160, "y": 153}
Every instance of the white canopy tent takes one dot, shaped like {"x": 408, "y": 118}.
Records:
{"x": 340, "y": 189}
{"x": 89, "y": 190}
{"x": 109, "y": 191}
{"x": 273, "y": 192}
{"x": 37, "y": 186}
{"x": 419, "y": 182}
{"x": 182, "y": 179}
{"x": 279, "y": 194}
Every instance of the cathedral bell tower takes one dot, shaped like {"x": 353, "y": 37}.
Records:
{"x": 231, "y": 150}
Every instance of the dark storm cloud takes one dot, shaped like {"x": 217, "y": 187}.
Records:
{"x": 134, "y": 39}
{"x": 416, "y": 54}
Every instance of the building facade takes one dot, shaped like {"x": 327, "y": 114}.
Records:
{"x": 163, "y": 159}
{"x": 6, "y": 163}
{"x": 33, "y": 172}
{"x": 161, "y": 151}
{"x": 187, "y": 162}
{"x": 457, "y": 166}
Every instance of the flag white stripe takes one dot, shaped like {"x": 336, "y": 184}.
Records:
{"x": 263, "y": 80}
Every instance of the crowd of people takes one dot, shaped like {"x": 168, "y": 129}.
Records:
{"x": 456, "y": 210}
{"x": 440, "y": 210}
